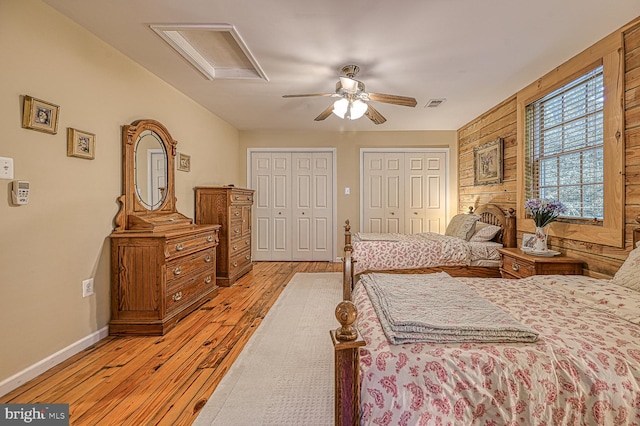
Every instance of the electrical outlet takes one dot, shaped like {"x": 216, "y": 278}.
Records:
{"x": 87, "y": 287}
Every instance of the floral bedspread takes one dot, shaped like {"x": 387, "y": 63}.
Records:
{"x": 422, "y": 250}
{"x": 583, "y": 370}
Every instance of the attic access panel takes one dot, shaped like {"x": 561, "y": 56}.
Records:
{"x": 217, "y": 51}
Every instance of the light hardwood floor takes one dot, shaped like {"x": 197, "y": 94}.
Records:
{"x": 165, "y": 380}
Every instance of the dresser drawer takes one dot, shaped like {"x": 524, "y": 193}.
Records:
{"x": 238, "y": 246}
{"x": 235, "y": 230}
{"x": 517, "y": 267}
{"x": 189, "y": 289}
{"x": 240, "y": 197}
{"x": 180, "y": 246}
{"x": 190, "y": 264}
{"x": 239, "y": 260}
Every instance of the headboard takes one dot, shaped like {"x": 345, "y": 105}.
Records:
{"x": 493, "y": 215}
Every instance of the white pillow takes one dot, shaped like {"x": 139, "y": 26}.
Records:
{"x": 462, "y": 226}
{"x": 629, "y": 273}
{"x": 484, "y": 232}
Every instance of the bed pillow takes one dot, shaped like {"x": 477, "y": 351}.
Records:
{"x": 462, "y": 226}
{"x": 629, "y": 273}
{"x": 484, "y": 232}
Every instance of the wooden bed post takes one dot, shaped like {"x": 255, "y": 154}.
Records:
{"x": 510, "y": 238}
{"x": 346, "y": 344}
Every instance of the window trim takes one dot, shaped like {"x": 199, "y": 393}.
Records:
{"x": 607, "y": 52}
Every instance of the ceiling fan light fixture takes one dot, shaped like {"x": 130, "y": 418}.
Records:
{"x": 356, "y": 109}
{"x": 350, "y": 110}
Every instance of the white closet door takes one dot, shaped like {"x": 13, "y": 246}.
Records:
{"x": 404, "y": 192}
{"x": 302, "y": 189}
{"x": 261, "y": 183}
{"x": 425, "y": 185}
{"x": 436, "y": 192}
{"x": 293, "y": 207}
{"x": 394, "y": 192}
{"x": 281, "y": 209}
{"x": 373, "y": 195}
{"x": 271, "y": 179}
{"x": 322, "y": 206}
{"x": 383, "y": 192}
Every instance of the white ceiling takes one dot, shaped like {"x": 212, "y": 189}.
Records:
{"x": 473, "y": 53}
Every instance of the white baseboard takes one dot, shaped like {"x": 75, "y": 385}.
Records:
{"x": 338, "y": 259}
{"x": 40, "y": 367}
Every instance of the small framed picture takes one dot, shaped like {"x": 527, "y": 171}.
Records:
{"x": 81, "y": 144}
{"x": 487, "y": 163}
{"x": 184, "y": 162}
{"x": 528, "y": 240}
{"x": 40, "y": 115}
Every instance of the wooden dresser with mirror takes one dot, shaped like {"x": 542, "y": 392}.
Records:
{"x": 162, "y": 264}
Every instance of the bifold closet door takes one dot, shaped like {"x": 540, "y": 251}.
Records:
{"x": 312, "y": 192}
{"x": 271, "y": 179}
{"x": 405, "y": 191}
{"x": 383, "y": 192}
{"x": 293, "y": 206}
{"x": 425, "y": 194}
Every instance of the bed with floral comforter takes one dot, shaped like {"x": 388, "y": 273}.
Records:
{"x": 584, "y": 369}
{"x": 377, "y": 252}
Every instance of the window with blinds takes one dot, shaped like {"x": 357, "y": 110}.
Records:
{"x": 564, "y": 145}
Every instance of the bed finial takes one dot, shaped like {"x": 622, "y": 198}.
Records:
{"x": 347, "y": 236}
{"x": 346, "y": 313}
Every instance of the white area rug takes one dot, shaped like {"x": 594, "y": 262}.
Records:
{"x": 284, "y": 375}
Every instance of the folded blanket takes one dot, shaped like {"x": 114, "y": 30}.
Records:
{"x": 439, "y": 308}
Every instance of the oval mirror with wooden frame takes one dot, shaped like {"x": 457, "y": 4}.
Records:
{"x": 148, "y": 200}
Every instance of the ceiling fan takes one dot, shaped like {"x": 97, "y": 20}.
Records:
{"x": 354, "y": 101}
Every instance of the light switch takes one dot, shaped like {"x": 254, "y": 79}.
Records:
{"x": 347, "y": 190}
{"x": 6, "y": 168}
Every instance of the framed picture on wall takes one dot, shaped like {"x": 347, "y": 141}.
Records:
{"x": 184, "y": 162}
{"x": 40, "y": 115}
{"x": 81, "y": 144}
{"x": 487, "y": 163}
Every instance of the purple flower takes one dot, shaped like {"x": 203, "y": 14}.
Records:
{"x": 544, "y": 212}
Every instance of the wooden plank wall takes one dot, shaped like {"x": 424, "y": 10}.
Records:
{"x": 600, "y": 261}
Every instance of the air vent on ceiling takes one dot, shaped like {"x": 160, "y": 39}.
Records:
{"x": 215, "y": 50}
{"x": 434, "y": 103}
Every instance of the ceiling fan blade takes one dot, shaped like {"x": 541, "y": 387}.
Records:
{"x": 393, "y": 99}
{"x": 324, "y": 114}
{"x": 374, "y": 115}
{"x": 308, "y": 94}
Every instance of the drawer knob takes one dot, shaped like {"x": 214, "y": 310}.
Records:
{"x": 208, "y": 279}
{"x": 209, "y": 238}
{"x": 237, "y": 230}
{"x": 237, "y": 197}
{"x": 235, "y": 263}
{"x": 177, "y": 296}
{"x": 515, "y": 267}
{"x": 179, "y": 246}
{"x": 177, "y": 271}
{"x": 246, "y": 242}
{"x": 207, "y": 259}
{"x": 237, "y": 213}
{"x": 235, "y": 247}
{"x": 247, "y": 257}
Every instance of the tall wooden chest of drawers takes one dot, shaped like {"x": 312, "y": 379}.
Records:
{"x": 231, "y": 208}
{"x": 159, "y": 277}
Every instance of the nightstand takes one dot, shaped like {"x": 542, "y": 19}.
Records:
{"x": 514, "y": 263}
